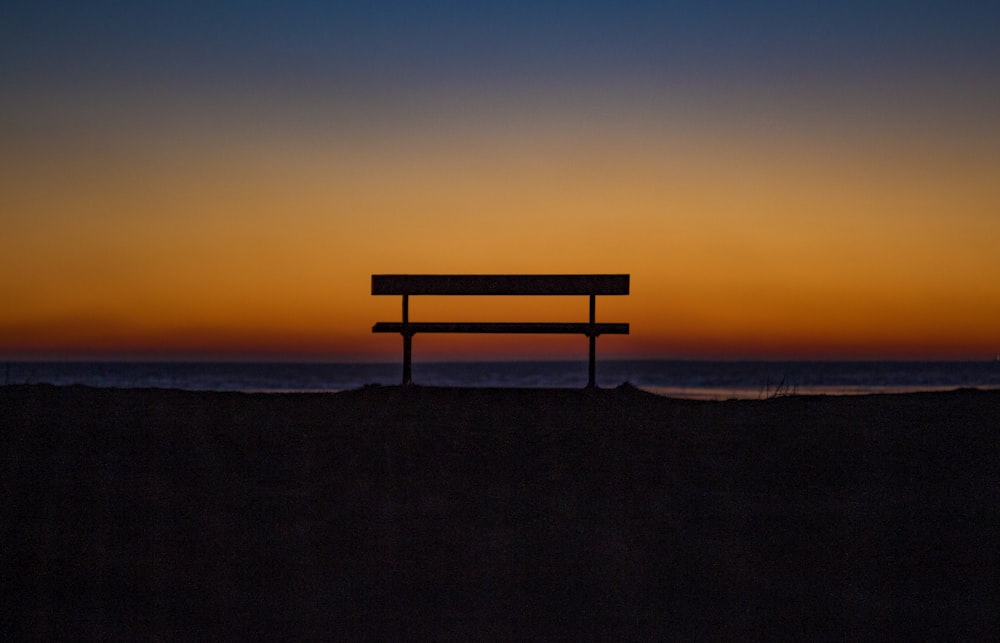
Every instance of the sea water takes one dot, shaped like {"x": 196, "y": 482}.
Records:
{"x": 689, "y": 379}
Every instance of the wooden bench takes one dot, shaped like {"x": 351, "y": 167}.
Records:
{"x": 590, "y": 285}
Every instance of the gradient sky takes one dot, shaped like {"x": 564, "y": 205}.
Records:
{"x": 220, "y": 179}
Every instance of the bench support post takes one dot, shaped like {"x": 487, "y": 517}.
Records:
{"x": 407, "y": 343}
{"x": 591, "y": 371}
{"x": 407, "y": 349}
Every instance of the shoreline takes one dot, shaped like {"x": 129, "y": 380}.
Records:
{"x": 700, "y": 379}
{"x": 384, "y": 512}
{"x": 707, "y": 394}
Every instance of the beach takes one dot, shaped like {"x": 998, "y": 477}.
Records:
{"x": 450, "y": 513}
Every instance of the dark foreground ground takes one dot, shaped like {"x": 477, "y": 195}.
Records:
{"x": 385, "y": 513}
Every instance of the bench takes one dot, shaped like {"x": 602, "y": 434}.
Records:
{"x": 589, "y": 285}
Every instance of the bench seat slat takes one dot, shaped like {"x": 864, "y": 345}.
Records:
{"x": 581, "y": 328}
{"x": 500, "y": 284}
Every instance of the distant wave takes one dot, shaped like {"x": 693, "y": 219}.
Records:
{"x": 693, "y": 379}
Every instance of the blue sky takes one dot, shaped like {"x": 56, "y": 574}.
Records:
{"x": 324, "y": 43}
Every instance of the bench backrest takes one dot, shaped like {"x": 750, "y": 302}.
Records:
{"x": 500, "y": 284}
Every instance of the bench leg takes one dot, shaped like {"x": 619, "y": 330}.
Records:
{"x": 591, "y": 371}
{"x": 407, "y": 360}
{"x": 407, "y": 343}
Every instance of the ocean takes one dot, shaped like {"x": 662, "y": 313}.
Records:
{"x": 715, "y": 380}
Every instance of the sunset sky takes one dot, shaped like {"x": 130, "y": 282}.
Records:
{"x": 219, "y": 180}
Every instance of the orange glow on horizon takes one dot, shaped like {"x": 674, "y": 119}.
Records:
{"x": 742, "y": 240}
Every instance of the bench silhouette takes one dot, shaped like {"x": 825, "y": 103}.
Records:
{"x": 589, "y": 285}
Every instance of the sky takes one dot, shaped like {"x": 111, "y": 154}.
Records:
{"x": 219, "y": 180}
